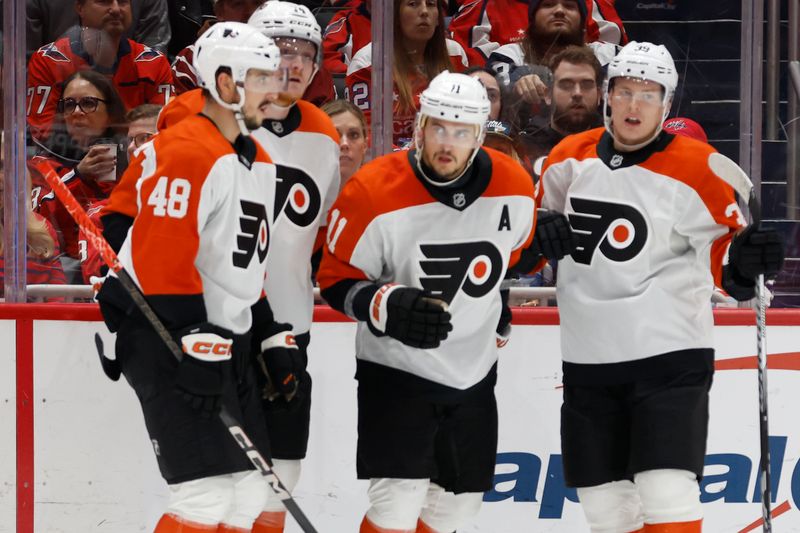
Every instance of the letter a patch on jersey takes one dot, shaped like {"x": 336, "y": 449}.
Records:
{"x": 254, "y": 234}
{"x": 618, "y": 230}
{"x": 505, "y": 220}
{"x": 474, "y": 267}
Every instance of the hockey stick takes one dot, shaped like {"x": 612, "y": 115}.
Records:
{"x": 732, "y": 174}
{"x": 110, "y": 258}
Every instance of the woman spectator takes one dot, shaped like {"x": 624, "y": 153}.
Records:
{"x": 43, "y": 265}
{"x": 421, "y": 51}
{"x": 349, "y": 121}
{"x": 88, "y": 134}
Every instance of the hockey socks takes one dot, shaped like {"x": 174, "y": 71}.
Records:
{"x": 695, "y": 526}
{"x": 224, "y": 528}
{"x": 270, "y": 522}
{"x": 171, "y": 523}
{"x": 368, "y": 527}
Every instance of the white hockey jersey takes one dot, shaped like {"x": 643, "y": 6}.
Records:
{"x": 654, "y": 229}
{"x": 202, "y": 231}
{"x": 305, "y": 150}
{"x": 386, "y": 226}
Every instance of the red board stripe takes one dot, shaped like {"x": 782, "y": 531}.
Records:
{"x": 25, "y": 398}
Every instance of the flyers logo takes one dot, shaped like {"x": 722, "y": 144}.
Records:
{"x": 618, "y": 230}
{"x": 296, "y": 196}
{"x": 475, "y": 267}
{"x": 51, "y": 52}
{"x": 254, "y": 234}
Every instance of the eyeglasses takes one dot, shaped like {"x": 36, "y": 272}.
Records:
{"x": 88, "y": 104}
{"x": 140, "y": 138}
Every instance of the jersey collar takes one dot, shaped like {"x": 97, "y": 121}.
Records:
{"x": 284, "y": 127}
{"x": 615, "y": 159}
{"x": 466, "y": 189}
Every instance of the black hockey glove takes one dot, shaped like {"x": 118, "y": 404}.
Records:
{"x": 205, "y": 368}
{"x": 754, "y": 251}
{"x": 410, "y": 316}
{"x": 554, "y": 237}
{"x": 279, "y": 359}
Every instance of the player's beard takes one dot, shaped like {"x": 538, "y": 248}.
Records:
{"x": 576, "y": 123}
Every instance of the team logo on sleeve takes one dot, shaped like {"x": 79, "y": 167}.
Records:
{"x": 52, "y": 52}
{"x": 296, "y": 196}
{"x": 148, "y": 54}
{"x": 474, "y": 267}
{"x": 254, "y": 235}
{"x": 618, "y": 230}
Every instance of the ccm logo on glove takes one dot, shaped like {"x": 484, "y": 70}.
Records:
{"x": 207, "y": 346}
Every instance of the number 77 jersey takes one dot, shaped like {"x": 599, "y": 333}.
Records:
{"x": 198, "y": 244}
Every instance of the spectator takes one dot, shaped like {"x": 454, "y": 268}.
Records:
{"x": 348, "y": 31}
{"x": 184, "y": 74}
{"x": 687, "y": 127}
{"x": 141, "y": 122}
{"x": 43, "y": 266}
{"x": 139, "y": 73}
{"x": 573, "y": 96}
{"x": 421, "y": 51}
{"x": 352, "y": 127}
{"x": 482, "y": 26}
{"x": 81, "y": 151}
{"x": 552, "y": 26}
{"x": 49, "y": 20}
{"x": 489, "y": 80}
{"x": 500, "y": 136}
{"x": 319, "y": 91}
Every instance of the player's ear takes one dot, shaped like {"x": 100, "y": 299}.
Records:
{"x": 226, "y": 87}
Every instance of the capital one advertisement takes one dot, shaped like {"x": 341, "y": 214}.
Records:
{"x": 94, "y": 469}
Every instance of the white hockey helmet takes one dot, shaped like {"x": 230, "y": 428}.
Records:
{"x": 645, "y": 61}
{"x": 456, "y": 98}
{"x": 238, "y": 47}
{"x": 279, "y": 19}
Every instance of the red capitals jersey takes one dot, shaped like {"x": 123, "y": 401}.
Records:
{"x": 349, "y": 31}
{"x": 40, "y": 270}
{"x": 359, "y": 78}
{"x": 90, "y": 258}
{"x": 141, "y": 75}
{"x": 482, "y": 26}
{"x": 87, "y": 192}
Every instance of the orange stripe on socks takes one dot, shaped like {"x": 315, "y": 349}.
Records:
{"x": 270, "y": 522}
{"x": 225, "y": 528}
{"x": 171, "y": 523}
{"x": 368, "y": 527}
{"x": 695, "y": 526}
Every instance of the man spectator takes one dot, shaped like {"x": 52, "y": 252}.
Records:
{"x": 552, "y": 26}
{"x": 318, "y": 92}
{"x": 482, "y": 26}
{"x": 348, "y": 31}
{"x": 49, "y": 20}
{"x": 141, "y": 126}
{"x": 139, "y": 73}
{"x": 574, "y": 97}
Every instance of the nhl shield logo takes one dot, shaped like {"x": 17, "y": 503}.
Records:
{"x": 277, "y": 127}
{"x": 616, "y": 161}
{"x": 459, "y": 199}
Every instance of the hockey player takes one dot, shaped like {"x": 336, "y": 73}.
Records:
{"x": 417, "y": 244}
{"x": 304, "y": 146}
{"x": 658, "y": 227}
{"x": 205, "y": 195}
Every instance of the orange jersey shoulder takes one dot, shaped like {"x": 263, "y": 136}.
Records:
{"x": 579, "y": 146}
{"x": 182, "y": 106}
{"x": 508, "y": 176}
{"x": 315, "y": 120}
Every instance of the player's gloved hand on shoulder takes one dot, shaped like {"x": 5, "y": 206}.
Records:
{"x": 410, "y": 315}
{"x": 553, "y": 237}
{"x": 279, "y": 359}
{"x": 753, "y": 251}
{"x": 205, "y": 368}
